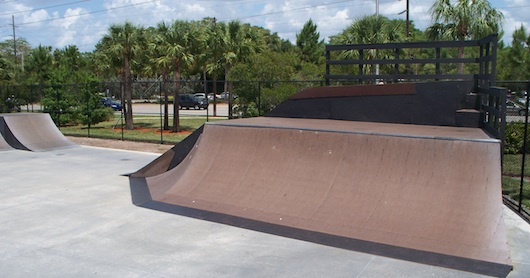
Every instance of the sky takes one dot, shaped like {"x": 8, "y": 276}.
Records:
{"x": 59, "y": 23}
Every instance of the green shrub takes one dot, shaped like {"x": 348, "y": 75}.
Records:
{"x": 514, "y": 133}
{"x": 246, "y": 110}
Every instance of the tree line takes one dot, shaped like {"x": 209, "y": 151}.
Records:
{"x": 234, "y": 51}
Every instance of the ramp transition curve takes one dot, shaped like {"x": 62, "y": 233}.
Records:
{"x": 32, "y": 131}
{"x": 422, "y": 193}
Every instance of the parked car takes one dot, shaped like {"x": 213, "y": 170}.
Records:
{"x": 226, "y": 95}
{"x": 200, "y": 95}
{"x": 513, "y": 108}
{"x": 203, "y": 102}
{"x": 112, "y": 103}
{"x": 190, "y": 101}
{"x": 217, "y": 96}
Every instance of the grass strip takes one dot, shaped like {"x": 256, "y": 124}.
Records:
{"x": 146, "y": 129}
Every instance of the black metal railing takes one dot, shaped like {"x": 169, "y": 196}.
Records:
{"x": 412, "y": 61}
{"x": 493, "y": 105}
{"x": 516, "y": 177}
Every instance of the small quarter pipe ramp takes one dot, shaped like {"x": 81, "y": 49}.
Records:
{"x": 428, "y": 194}
{"x": 32, "y": 131}
{"x": 4, "y": 146}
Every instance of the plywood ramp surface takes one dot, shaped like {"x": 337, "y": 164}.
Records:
{"x": 32, "y": 131}
{"x": 432, "y": 189}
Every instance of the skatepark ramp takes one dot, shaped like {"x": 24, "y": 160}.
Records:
{"x": 428, "y": 192}
{"x": 32, "y": 132}
{"x": 4, "y": 146}
{"x": 422, "y": 193}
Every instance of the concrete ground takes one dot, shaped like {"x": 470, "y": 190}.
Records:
{"x": 68, "y": 213}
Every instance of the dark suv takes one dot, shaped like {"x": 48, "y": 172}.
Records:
{"x": 190, "y": 101}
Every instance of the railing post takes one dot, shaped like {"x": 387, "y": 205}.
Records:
{"x": 396, "y": 65}
{"x": 361, "y": 66}
{"x": 438, "y": 55}
{"x": 493, "y": 46}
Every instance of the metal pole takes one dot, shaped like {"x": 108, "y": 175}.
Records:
{"x": 408, "y": 21}
{"x": 206, "y": 96}
{"x": 160, "y": 87}
{"x": 14, "y": 39}
{"x": 259, "y": 98}
{"x": 122, "y": 108}
{"x": 88, "y": 109}
{"x": 377, "y": 65}
{"x": 524, "y": 148}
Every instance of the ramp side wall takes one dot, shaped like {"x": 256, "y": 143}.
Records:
{"x": 8, "y": 135}
{"x": 425, "y": 103}
{"x": 3, "y": 143}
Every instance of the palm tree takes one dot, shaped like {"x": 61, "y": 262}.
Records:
{"x": 177, "y": 48}
{"x": 160, "y": 62}
{"x": 370, "y": 29}
{"x": 121, "y": 45}
{"x": 214, "y": 66}
{"x": 201, "y": 49}
{"x": 239, "y": 42}
{"x": 465, "y": 19}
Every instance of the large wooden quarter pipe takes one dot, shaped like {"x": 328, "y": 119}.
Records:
{"x": 427, "y": 194}
{"x": 32, "y": 132}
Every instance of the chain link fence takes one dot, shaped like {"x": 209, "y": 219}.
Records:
{"x": 260, "y": 95}
{"x": 516, "y": 166}
{"x": 89, "y": 104}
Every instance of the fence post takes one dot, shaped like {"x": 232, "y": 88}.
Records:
{"x": 89, "y": 110}
{"x": 524, "y": 148}
{"x": 259, "y": 98}
{"x": 59, "y": 111}
{"x": 31, "y": 97}
{"x": 161, "y": 114}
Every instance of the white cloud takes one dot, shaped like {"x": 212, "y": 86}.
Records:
{"x": 69, "y": 26}
{"x": 36, "y": 16}
{"x": 71, "y": 16}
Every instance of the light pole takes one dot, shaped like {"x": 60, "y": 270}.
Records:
{"x": 407, "y": 18}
